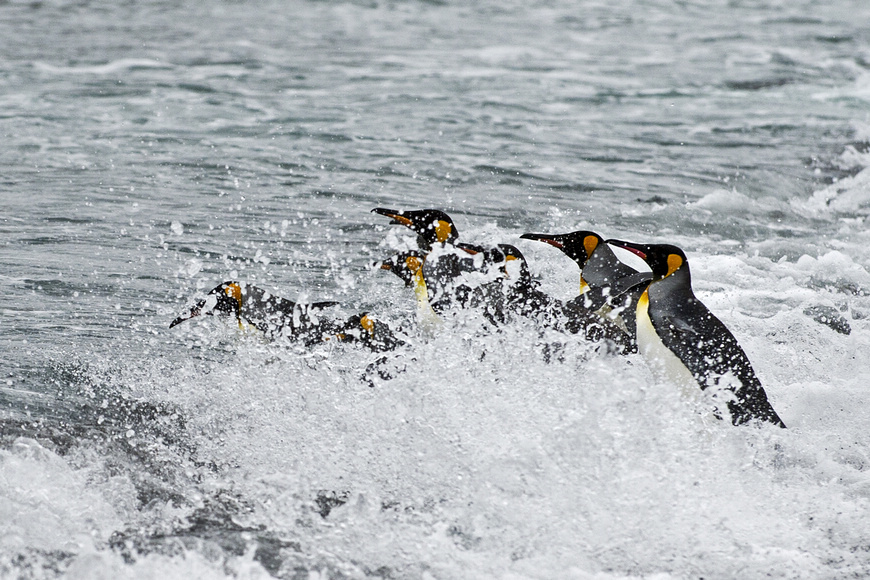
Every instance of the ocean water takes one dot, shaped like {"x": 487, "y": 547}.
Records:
{"x": 151, "y": 150}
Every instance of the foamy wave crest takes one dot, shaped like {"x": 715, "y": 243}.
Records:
{"x": 848, "y": 197}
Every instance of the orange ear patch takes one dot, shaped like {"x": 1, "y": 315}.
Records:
{"x": 590, "y": 243}
{"x": 235, "y": 291}
{"x": 674, "y": 263}
{"x": 368, "y": 324}
{"x": 443, "y": 230}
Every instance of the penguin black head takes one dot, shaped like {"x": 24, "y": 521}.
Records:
{"x": 577, "y": 245}
{"x": 405, "y": 265}
{"x": 513, "y": 255}
{"x": 431, "y": 224}
{"x": 663, "y": 259}
{"x": 224, "y": 299}
{"x": 370, "y": 332}
{"x": 491, "y": 255}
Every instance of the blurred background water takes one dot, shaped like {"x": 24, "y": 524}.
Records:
{"x": 151, "y": 150}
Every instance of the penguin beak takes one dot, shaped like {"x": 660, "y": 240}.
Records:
{"x": 195, "y": 311}
{"x": 395, "y": 215}
{"x": 470, "y": 248}
{"x": 205, "y": 306}
{"x": 553, "y": 240}
{"x": 633, "y": 248}
{"x": 380, "y": 265}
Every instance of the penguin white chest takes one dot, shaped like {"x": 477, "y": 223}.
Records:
{"x": 663, "y": 363}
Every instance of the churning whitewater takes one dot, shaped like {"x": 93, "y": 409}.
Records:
{"x": 167, "y": 161}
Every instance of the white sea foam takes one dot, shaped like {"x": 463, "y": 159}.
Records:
{"x": 48, "y": 505}
{"x": 849, "y": 196}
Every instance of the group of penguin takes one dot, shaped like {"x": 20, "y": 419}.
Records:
{"x": 655, "y": 313}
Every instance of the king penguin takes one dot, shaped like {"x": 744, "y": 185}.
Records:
{"x": 279, "y": 318}
{"x": 274, "y": 316}
{"x": 432, "y": 225}
{"x": 607, "y": 286}
{"x": 681, "y": 339}
{"x": 368, "y": 331}
{"x": 452, "y": 270}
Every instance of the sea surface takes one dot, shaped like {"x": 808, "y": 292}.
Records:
{"x": 151, "y": 150}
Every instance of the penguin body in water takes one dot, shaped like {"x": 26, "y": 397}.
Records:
{"x": 452, "y": 270}
{"x": 369, "y": 332}
{"x": 522, "y": 294}
{"x": 681, "y": 339}
{"x": 607, "y": 285}
{"x": 523, "y": 297}
{"x": 274, "y": 316}
{"x": 278, "y": 318}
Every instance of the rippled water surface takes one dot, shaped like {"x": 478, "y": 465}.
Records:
{"x": 151, "y": 150}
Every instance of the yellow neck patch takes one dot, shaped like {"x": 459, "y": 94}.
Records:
{"x": 590, "y": 243}
{"x": 420, "y": 290}
{"x": 504, "y": 268}
{"x": 674, "y": 263}
{"x": 368, "y": 324}
{"x": 643, "y": 302}
{"x": 443, "y": 230}
{"x": 584, "y": 286}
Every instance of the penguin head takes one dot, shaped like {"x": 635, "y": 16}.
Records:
{"x": 490, "y": 256}
{"x": 223, "y": 299}
{"x": 405, "y": 265}
{"x": 577, "y": 245}
{"x": 663, "y": 259}
{"x": 515, "y": 261}
{"x": 368, "y": 331}
{"x": 431, "y": 225}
